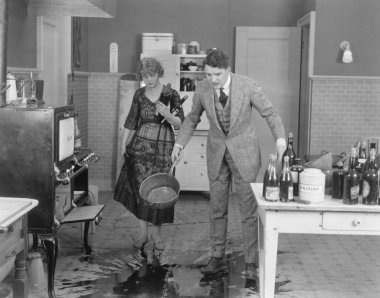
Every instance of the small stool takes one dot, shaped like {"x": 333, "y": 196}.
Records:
{"x": 92, "y": 200}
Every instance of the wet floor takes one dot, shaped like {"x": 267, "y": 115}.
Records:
{"x": 99, "y": 276}
{"x": 308, "y": 266}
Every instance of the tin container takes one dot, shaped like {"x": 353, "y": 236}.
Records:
{"x": 181, "y": 48}
{"x": 312, "y": 185}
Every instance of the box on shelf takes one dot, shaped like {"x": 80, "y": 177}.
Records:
{"x": 157, "y": 43}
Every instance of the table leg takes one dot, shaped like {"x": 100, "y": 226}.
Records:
{"x": 20, "y": 282}
{"x": 268, "y": 243}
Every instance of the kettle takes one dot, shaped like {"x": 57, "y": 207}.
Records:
{"x": 11, "y": 93}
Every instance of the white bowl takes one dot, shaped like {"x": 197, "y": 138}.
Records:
{"x": 193, "y": 67}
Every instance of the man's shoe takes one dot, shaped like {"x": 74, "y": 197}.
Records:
{"x": 214, "y": 266}
{"x": 251, "y": 271}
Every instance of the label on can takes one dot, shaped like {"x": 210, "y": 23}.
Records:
{"x": 312, "y": 189}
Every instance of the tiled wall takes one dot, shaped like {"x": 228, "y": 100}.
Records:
{"x": 343, "y": 111}
{"x": 103, "y": 90}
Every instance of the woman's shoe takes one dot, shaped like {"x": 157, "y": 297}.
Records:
{"x": 139, "y": 246}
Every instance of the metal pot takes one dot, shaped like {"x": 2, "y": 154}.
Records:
{"x": 160, "y": 190}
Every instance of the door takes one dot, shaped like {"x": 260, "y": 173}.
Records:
{"x": 54, "y": 57}
{"x": 271, "y": 56}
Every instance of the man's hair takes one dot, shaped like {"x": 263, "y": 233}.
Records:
{"x": 217, "y": 58}
{"x": 149, "y": 66}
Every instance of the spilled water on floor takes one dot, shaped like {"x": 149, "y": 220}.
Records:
{"x": 113, "y": 275}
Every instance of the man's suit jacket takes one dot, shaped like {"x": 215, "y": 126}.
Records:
{"x": 241, "y": 141}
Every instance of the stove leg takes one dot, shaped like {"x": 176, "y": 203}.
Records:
{"x": 85, "y": 238}
{"x": 50, "y": 245}
{"x": 35, "y": 242}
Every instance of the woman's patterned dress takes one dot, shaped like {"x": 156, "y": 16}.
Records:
{"x": 148, "y": 152}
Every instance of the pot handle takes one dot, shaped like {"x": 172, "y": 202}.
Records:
{"x": 172, "y": 167}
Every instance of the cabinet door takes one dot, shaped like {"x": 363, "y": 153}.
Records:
{"x": 191, "y": 171}
{"x": 182, "y": 170}
{"x": 171, "y": 65}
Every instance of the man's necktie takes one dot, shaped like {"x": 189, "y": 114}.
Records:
{"x": 222, "y": 97}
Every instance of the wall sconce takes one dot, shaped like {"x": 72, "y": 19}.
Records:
{"x": 347, "y": 54}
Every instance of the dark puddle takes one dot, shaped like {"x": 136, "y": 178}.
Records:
{"x": 169, "y": 281}
{"x": 184, "y": 281}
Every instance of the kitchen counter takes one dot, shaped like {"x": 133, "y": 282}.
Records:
{"x": 14, "y": 239}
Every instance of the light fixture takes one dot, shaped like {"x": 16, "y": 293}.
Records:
{"x": 347, "y": 54}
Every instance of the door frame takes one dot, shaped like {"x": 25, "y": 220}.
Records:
{"x": 307, "y": 25}
{"x": 65, "y": 53}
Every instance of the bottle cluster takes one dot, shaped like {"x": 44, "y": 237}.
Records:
{"x": 283, "y": 186}
{"x": 360, "y": 180}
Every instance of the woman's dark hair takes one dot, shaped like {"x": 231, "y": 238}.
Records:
{"x": 149, "y": 66}
{"x": 217, "y": 58}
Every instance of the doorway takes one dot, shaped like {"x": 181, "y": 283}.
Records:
{"x": 54, "y": 57}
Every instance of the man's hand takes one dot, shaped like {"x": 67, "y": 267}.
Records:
{"x": 176, "y": 154}
{"x": 280, "y": 147}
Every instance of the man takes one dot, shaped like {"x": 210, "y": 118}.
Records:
{"x": 232, "y": 151}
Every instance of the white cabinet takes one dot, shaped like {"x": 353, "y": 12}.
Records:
{"x": 191, "y": 171}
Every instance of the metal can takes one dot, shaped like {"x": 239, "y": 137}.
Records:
{"x": 312, "y": 185}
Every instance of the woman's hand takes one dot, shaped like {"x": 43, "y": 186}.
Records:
{"x": 163, "y": 110}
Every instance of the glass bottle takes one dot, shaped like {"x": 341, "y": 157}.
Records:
{"x": 32, "y": 87}
{"x": 289, "y": 151}
{"x": 328, "y": 181}
{"x": 361, "y": 160}
{"x": 286, "y": 182}
{"x": 266, "y": 175}
{"x": 272, "y": 192}
{"x": 295, "y": 171}
{"x": 351, "y": 181}
{"x": 370, "y": 181}
{"x": 338, "y": 182}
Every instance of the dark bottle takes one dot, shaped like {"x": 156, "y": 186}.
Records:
{"x": 351, "y": 182}
{"x": 366, "y": 164}
{"x": 174, "y": 110}
{"x": 272, "y": 192}
{"x": 361, "y": 161}
{"x": 266, "y": 175}
{"x": 286, "y": 182}
{"x": 289, "y": 151}
{"x": 338, "y": 182}
{"x": 295, "y": 171}
{"x": 370, "y": 181}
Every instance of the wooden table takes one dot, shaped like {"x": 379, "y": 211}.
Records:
{"x": 14, "y": 238}
{"x": 328, "y": 217}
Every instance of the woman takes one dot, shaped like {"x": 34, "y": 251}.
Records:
{"x": 149, "y": 150}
